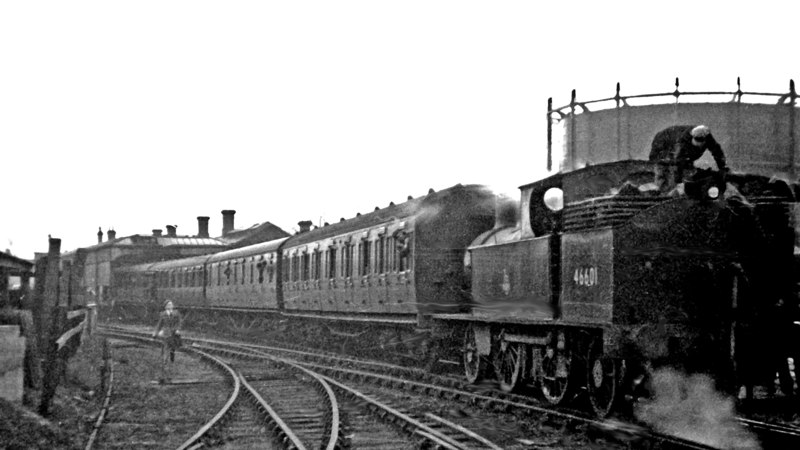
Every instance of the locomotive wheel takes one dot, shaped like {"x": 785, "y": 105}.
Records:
{"x": 602, "y": 380}
{"x": 556, "y": 380}
{"x": 511, "y": 363}
{"x": 474, "y": 364}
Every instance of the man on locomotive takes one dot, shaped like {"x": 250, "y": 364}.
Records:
{"x": 675, "y": 149}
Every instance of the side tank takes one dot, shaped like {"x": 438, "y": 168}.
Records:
{"x": 516, "y": 268}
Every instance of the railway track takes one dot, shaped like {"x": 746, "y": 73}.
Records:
{"x": 235, "y": 418}
{"x": 410, "y": 380}
{"x": 311, "y": 418}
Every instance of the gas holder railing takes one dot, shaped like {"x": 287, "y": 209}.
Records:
{"x": 621, "y": 101}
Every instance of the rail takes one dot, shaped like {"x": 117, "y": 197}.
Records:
{"x": 106, "y": 400}
{"x": 333, "y": 427}
{"x": 194, "y": 441}
{"x": 621, "y": 101}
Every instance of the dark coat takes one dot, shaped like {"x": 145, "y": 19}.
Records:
{"x": 170, "y": 323}
{"x": 674, "y": 145}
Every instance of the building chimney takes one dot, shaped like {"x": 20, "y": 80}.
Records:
{"x": 202, "y": 226}
{"x": 156, "y": 232}
{"x": 112, "y": 235}
{"x": 171, "y": 230}
{"x": 99, "y": 235}
{"x": 305, "y": 226}
{"x": 227, "y": 221}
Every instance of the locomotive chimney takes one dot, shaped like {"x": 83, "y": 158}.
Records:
{"x": 202, "y": 226}
{"x": 157, "y": 232}
{"x": 99, "y": 235}
{"x": 505, "y": 212}
{"x": 171, "y": 230}
{"x": 305, "y": 226}
{"x": 227, "y": 221}
{"x": 112, "y": 235}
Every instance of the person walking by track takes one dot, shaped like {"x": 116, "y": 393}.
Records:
{"x": 168, "y": 330}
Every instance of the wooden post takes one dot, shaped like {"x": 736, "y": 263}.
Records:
{"x": 50, "y": 316}
{"x": 104, "y": 369}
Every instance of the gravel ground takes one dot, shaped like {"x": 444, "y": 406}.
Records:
{"x": 143, "y": 413}
{"x": 147, "y": 414}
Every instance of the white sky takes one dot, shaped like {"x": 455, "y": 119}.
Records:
{"x": 134, "y": 115}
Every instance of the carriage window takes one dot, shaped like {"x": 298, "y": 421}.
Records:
{"x": 244, "y": 272}
{"x": 306, "y": 266}
{"x": 382, "y": 254}
{"x": 261, "y": 266}
{"x": 228, "y": 274}
{"x": 295, "y": 268}
{"x": 270, "y": 270}
{"x": 390, "y": 255}
{"x": 402, "y": 250}
{"x": 285, "y": 272}
{"x": 332, "y": 262}
{"x": 219, "y": 274}
{"x": 366, "y": 247}
{"x": 252, "y": 272}
{"x": 348, "y": 259}
{"x": 316, "y": 265}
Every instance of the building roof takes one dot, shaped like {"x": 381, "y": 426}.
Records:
{"x": 160, "y": 241}
{"x": 257, "y": 233}
{"x": 8, "y": 261}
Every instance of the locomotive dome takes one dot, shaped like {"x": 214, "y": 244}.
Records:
{"x": 759, "y": 131}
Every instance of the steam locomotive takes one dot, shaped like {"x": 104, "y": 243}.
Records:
{"x": 584, "y": 284}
